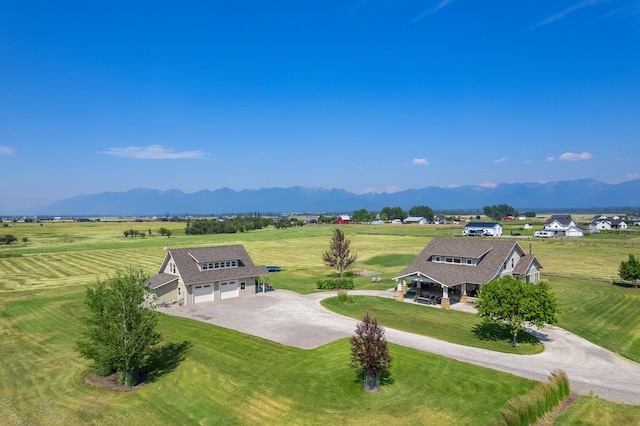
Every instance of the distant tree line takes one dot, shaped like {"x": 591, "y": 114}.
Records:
{"x": 227, "y": 225}
{"x": 392, "y": 213}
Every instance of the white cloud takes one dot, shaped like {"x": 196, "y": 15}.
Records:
{"x": 152, "y": 152}
{"x": 572, "y": 156}
{"x": 488, "y": 185}
{"x": 420, "y": 161}
{"x": 6, "y": 150}
{"x": 527, "y": 162}
{"x": 499, "y": 160}
{"x": 452, "y": 185}
{"x": 570, "y": 9}
{"x": 432, "y": 10}
{"x": 551, "y": 158}
{"x": 632, "y": 176}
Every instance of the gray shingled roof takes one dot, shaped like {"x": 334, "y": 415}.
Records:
{"x": 187, "y": 262}
{"x": 563, "y": 219}
{"x": 525, "y": 263}
{"x": 491, "y": 254}
{"x": 160, "y": 280}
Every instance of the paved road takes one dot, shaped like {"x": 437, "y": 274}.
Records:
{"x": 299, "y": 320}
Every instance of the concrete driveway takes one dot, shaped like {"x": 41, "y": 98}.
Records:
{"x": 300, "y": 321}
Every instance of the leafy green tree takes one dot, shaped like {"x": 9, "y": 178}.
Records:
{"x": 393, "y": 213}
{"x": 517, "y": 302}
{"x": 499, "y": 211}
{"x": 369, "y": 353}
{"x": 119, "y": 332}
{"x": 362, "y": 215}
{"x": 629, "y": 270}
{"x": 339, "y": 255}
{"x": 7, "y": 239}
{"x": 421, "y": 211}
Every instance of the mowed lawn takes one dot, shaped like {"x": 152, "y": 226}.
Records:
{"x": 448, "y": 325}
{"x": 230, "y": 378}
{"x": 225, "y": 377}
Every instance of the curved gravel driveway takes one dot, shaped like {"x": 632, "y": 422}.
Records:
{"x": 299, "y": 320}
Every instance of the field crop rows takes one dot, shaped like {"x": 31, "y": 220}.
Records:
{"x": 71, "y": 268}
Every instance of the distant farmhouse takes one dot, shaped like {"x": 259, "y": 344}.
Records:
{"x": 458, "y": 267}
{"x": 205, "y": 274}
{"x": 607, "y": 223}
{"x": 563, "y": 225}
{"x": 482, "y": 229}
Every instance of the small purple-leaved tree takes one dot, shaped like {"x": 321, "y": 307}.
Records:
{"x": 369, "y": 352}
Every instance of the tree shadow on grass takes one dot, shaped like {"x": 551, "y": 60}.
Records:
{"x": 500, "y": 332}
{"x": 165, "y": 358}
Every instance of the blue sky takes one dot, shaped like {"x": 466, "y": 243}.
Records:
{"x": 360, "y": 95}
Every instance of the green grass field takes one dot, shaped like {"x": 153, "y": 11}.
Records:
{"x": 448, "y": 325}
{"x": 230, "y": 378}
{"x": 227, "y": 378}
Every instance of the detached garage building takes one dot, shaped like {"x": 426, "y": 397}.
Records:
{"x": 205, "y": 274}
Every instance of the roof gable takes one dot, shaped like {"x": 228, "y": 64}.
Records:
{"x": 491, "y": 255}
{"x": 188, "y": 261}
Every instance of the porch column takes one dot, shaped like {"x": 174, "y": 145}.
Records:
{"x": 445, "y": 303}
{"x": 399, "y": 293}
{"x": 463, "y": 298}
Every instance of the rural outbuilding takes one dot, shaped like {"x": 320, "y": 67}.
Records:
{"x": 416, "y": 220}
{"x": 205, "y": 274}
{"x": 486, "y": 229}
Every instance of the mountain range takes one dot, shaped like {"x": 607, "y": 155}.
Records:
{"x": 561, "y": 195}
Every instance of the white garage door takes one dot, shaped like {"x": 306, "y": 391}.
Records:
{"x": 202, "y": 293}
{"x": 229, "y": 290}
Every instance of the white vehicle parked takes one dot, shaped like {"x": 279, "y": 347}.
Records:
{"x": 544, "y": 234}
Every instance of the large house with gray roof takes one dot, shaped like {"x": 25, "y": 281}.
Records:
{"x": 563, "y": 225}
{"x": 460, "y": 266}
{"x": 205, "y": 274}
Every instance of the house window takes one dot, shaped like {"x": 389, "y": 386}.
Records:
{"x": 437, "y": 258}
{"x": 456, "y": 260}
{"x": 178, "y": 291}
{"x": 448, "y": 260}
{"x": 243, "y": 285}
{"x": 512, "y": 262}
{"x": 469, "y": 262}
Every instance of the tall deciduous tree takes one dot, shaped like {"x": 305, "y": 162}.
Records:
{"x": 421, "y": 211}
{"x": 500, "y": 211}
{"x": 629, "y": 270}
{"x": 119, "y": 332}
{"x": 339, "y": 255}
{"x": 517, "y": 302}
{"x": 392, "y": 213}
{"x": 369, "y": 353}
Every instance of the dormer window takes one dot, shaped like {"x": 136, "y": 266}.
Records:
{"x": 469, "y": 262}
{"x": 219, "y": 265}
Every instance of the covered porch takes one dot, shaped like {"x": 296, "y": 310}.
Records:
{"x": 418, "y": 288}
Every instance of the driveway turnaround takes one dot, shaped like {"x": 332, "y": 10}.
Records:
{"x": 299, "y": 320}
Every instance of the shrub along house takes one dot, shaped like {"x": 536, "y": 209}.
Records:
{"x": 460, "y": 266}
{"x": 204, "y": 274}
